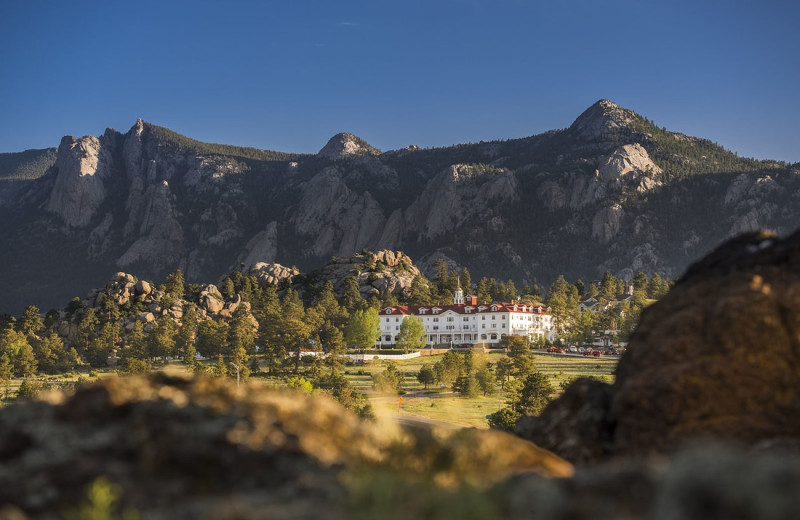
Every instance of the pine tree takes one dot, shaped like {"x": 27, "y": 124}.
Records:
{"x": 25, "y": 361}
{"x": 241, "y": 333}
{"x": 47, "y": 351}
{"x": 426, "y": 375}
{"x": 482, "y": 291}
{"x": 466, "y": 281}
{"x": 86, "y": 330}
{"x": 219, "y": 369}
{"x": 351, "y": 298}
{"x": 211, "y": 337}
{"x": 189, "y": 355}
{"x": 239, "y": 362}
{"x": 30, "y": 322}
{"x": 227, "y": 290}
{"x": 174, "y": 285}
{"x": 6, "y": 370}
{"x": 137, "y": 342}
{"x": 161, "y": 342}
{"x": 332, "y": 340}
{"x": 420, "y": 291}
{"x": 511, "y": 291}
{"x": 654, "y": 289}
{"x": 187, "y": 332}
{"x": 296, "y": 326}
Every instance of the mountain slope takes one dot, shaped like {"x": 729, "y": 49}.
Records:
{"x": 612, "y": 191}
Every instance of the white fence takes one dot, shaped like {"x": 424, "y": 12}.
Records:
{"x": 369, "y": 356}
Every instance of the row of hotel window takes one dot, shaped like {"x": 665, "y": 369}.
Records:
{"x": 451, "y": 327}
{"x": 465, "y": 318}
{"x": 467, "y": 337}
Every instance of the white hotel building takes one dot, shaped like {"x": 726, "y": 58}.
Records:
{"x": 469, "y": 323}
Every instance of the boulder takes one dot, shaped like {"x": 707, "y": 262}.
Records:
{"x": 212, "y": 303}
{"x": 146, "y": 317}
{"x": 577, "y": 425}
{"x": 271, "y": 274}
{"x": 719, "y": 356}
{"x": 142, "y": 287}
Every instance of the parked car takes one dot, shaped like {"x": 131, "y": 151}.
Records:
{"x": 581, "y": 350}
{"x": 573, "y": 349}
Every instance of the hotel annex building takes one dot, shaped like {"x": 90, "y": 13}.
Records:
{"x": 469, "y": 323}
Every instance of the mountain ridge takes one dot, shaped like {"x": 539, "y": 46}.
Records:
{"x": 603, "y": 193}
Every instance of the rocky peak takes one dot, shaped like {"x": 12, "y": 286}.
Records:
{"x": 344, "y": 145}
{"x": 81, "y": 165}
{"x": 601, "y": 119}
{"x": 138, "y": 128}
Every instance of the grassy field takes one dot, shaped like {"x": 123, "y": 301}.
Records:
{"x": 435, "y": 403}
{"x": 443, "y": 405}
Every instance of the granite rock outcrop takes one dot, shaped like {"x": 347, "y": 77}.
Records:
{"x": 716, "y": 358}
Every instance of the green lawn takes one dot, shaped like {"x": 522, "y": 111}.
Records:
{"x": 435, "y": 403}
{"x": 451, "y": 409}
{"x": 442, "y": 405}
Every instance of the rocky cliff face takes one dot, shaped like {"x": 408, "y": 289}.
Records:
{"x": 81, "y": 167}
{"x": 603, "y": 194}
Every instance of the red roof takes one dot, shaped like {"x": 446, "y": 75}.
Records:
{"x": 414, "y": 310}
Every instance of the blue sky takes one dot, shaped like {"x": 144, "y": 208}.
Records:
{"x": 288, "y": 75}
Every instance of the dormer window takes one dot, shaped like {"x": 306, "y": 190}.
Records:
{"x": 494, "y": 308}
{"x": 467, "y": 309}
{"x": 388, "y": 311}
{"x": 423, "y": 310}
{"x": 436, "y": 310}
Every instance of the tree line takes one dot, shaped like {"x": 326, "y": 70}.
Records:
{"x": 273, "y": 328}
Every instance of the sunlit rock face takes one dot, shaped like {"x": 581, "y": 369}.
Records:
{"x": 716, "y": 359}
{"x": 81, "y": 165}
{"x": 718, "y": 356}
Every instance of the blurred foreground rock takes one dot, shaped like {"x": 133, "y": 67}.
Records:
{"x": 172, "y": 447}
{"x": 717, "y": 358}
{"x": 178, "y": 447}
